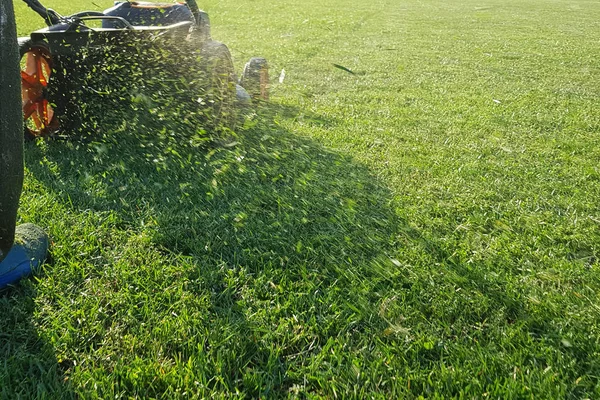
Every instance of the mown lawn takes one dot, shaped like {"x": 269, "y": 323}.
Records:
{"x": 427, "y": 225}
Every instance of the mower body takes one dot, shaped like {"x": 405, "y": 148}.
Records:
{"x": 64, "y": 40}
{"x": 55, "y": 54}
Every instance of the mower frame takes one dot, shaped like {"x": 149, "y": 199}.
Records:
{"x": 64, "y": 37}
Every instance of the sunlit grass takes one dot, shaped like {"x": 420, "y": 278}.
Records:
{"x": 426, "y": 226}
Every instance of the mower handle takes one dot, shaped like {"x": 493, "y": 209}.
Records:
{"x": 50, "y": 16}
{"x": 87, "y": 14}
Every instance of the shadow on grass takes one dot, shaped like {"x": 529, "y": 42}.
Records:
{"x": 247, "y": 265}
{"x": 266, "y": 195}
{"x": 29, "y": 365}
{"x": 273, "y": 228}
{"x": 243, "y": 265}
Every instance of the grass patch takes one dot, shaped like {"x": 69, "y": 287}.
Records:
{"x": 424, "y": 226}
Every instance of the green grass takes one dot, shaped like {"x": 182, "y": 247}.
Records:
{"x": 427, "y": 226}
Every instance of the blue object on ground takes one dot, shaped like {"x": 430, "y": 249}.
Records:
{"x": 26, "y": 256}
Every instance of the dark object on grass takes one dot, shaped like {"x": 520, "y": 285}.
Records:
{"x": 26, "y": 255}
{"x": 255, "y": 78}
{"x": 17, "y": 256}
{"x": 59, "y": 63}
{"x": 344, "y": 69}
{"x": 11, "y": 141}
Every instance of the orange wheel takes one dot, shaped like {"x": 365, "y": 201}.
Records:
{"x": 36, "y": 69}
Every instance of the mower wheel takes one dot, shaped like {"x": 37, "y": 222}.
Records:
{"x": 203, "y": 25}
{"x": 39, "y": 116}
{"x": 255, "y": 78}
{"x": 220, "y": 84}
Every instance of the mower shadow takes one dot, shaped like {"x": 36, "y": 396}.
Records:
{"x": 262, "y": 194}
{"x": 265, "y": 203}
{"x": 267, "y": 218}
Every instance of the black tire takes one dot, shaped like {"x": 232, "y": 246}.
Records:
{"x": 255, "y": 78}
{"x": 201, "y": 32}
{"x": 220, "y": 84}
{"x": 203, "y": 25}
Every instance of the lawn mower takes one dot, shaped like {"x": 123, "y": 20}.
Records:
{"x": 56, "y": 59}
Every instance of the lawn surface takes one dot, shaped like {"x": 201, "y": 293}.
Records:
{"x": 427, "y": 225}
